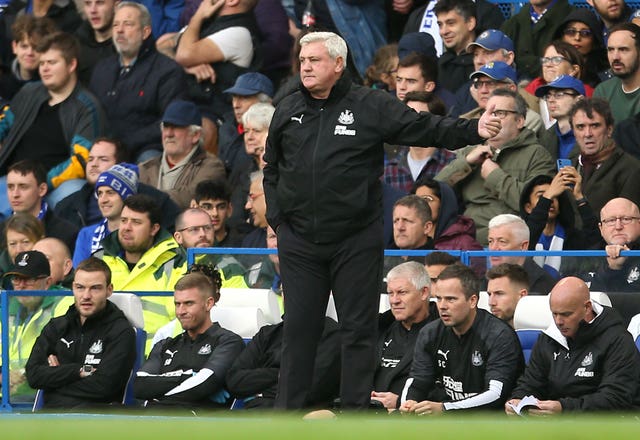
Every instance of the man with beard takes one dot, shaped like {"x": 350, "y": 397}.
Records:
{"x": 623, "y": 90}
{"x": 611, "y": 13}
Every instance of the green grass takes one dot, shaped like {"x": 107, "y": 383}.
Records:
{"x": 232, "y": 427}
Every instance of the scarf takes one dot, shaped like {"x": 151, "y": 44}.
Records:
{"x": 98, "y": 234}
{"x": 549, "y": 263}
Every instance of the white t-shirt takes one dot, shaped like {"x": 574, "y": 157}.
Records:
{"x": 235, "y": 44}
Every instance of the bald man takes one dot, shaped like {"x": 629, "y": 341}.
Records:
{"x": 620, "y": 229}
{"x": 59, "y": 258}
{"x": 584, "y": 361}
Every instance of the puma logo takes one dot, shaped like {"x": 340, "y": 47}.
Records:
{"x": 67, "y": 343}
{"x": 386, "y": 344}
{"x": 444, "y": 354}
{"x": 170, "y": 353}
{"x": 555, "y": 355}
{"x": 299, "y": 119}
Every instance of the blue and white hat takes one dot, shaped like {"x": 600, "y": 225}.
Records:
{"x": 122, "y": 178}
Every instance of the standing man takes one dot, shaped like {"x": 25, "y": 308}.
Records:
{"x": 94, "y": 35}
{"x": 326, "y": 206}
{"x": 84, "y": 357}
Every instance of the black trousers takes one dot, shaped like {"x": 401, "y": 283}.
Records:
{"x": 352, "y": 271}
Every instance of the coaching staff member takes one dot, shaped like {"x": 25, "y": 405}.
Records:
{"x": 324, "y": 159}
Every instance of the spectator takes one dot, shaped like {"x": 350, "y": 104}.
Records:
{"x": 60, "y": 264}
{"x": 435, "y": 263}
{"x": 381, "y": 74}
{"x": 96, "y": 371}
{"x": 21, "y": 232}
{"x": 136, "y": 85}
{"x": 412, "y": 223}
{"x": 442, "y": 377}
{"x": 600, "y": 370}
{"x": 266, "y": 273}
{"x": 257, "y": 207}
{"x": 184, "y": 162}
{"x": 189, "y": 370}
{"x": 214, "y": 197}
{"x": 506, "y": 284}
{"x": 532, "y": 29}
{"x": 95, "y": 36}
{"x": 508, "y": 232}
{"x": 611, "y": 13}
{"x": 491, "y": 176}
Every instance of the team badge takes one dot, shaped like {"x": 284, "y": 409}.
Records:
{"x": 205, "y": 349}
{"x": 24, "y": 260}
{"x": 96, "y": 347}
{"x": 633, "y": 276}
{"x": 476, "y": 359}
{"x": 346, "y": 117}
{"x": 588, "y": 360}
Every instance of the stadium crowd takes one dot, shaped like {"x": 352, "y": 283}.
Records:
{"x": 131, "y": 131}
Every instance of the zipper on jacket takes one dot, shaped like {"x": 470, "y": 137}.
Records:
{"x": 313, "y": 175}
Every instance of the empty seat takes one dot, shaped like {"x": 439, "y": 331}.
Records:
{"x": 264, "y": 299}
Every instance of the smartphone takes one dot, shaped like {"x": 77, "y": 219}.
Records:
{"x": 563, "y": 163}
{"x": 87, "y": 368}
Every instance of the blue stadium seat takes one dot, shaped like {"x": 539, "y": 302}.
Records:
{"x": 528, "y": 339}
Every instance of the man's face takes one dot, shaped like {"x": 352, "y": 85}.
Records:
{"x": 429, "y": 196}
{"x": 99, "y": 14}
{"x": 110, "y": 202}
{"x": 318, "y": 71}
{"x": 178, "y": 141}
{"x": 255, "y": 139}
{"x": 456, "y": 33}
{"x": 568, "y": 311}
{"x": 560, "y": 106}
{"x": 136, "y": 231}
{"x": 197, "y": 231}
{"x": 503, "y": 298}
{"x": 241, "y": 104}
{"x": 192, "y": 309}
{"x": 256, "y": 204}
{"x": 101, "y": 157}
{"x": 25, "y": 52}
{"x": 609, "y": 10}
{"x": 619, "y": 233}
{"x": 511, "y": 123}
{"x": 90, "y": 292}
{"x": 484, "y": 86}
{"x": 622, "y": 54}
{"x": 55, "y": 72}
{"x": 592, "y": 134}
{"x": 272, "y": 243}
{"x": 454, "y": 309}
{"x": 24, "y": 192}
{"x": 17, "y": 242}
{"x": 502, "y": 238}
{"x": 409, "y": 231}
{"x": 408, "y": 304}
{"x": 534, "y": 197}
{"x": 59, "y": 262}
{"x": 410, "y": 79}
{"x": 128, "y": 33}
{"x": 26, "y": 284}
{"x": 482, "y": 56}
{"x": 219, "y": 210}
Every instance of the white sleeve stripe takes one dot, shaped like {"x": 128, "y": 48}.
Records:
{"x": 405, "y": 390}
{"x": 192, "y": 382}
{"x": 491, "y": 395}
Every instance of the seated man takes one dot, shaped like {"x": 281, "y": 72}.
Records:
{"x": 408, "y": 287}
{"x": 600, "y": 367}
{"x": 190, "y": 369}
{"x": 506, "y": 284}
{"x": 95, "y": 369}
{"x": 468, "y": 359}
{"x": 60, "y": 261}
{"x": 412, "y": 223}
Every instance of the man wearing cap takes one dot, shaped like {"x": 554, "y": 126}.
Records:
{"x": 561, "y": 94}
{"x": 250, "y": 88}
{"x": 490, "y": 77}
{"x": 184, "y": 162}
{"x": 491, "y": 176}
{"x": 27, "y": 314}
{"x": 491, "y": 45}
{"x": 136, "y": 84}
{"x": 111, "y": 190}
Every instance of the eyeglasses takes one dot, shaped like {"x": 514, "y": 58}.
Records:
{"x": 553, "y": 60}
{"x": 477, "y": 84}
{"x": 252, "y": 197}
{"x": 196, "y": 229}
{"x": 558, "y": 94}
{"x": 584, "y": 33}
{"x": 501, "y": 114}
{"x": 625, "y": 220}
{"x": 27, "y": 282}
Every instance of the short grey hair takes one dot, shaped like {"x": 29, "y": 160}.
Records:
{"x": 412, "y": 271}
{"x": 334, "y": 43}
{"x": 519, "y": 228}
{"x": 256, "y": 175}
{"x": 259, "y": 115}
{"x": 145, "y": 16}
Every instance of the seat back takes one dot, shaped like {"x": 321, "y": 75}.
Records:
{"x": 384, "y": 303}
{"x": 601, "y": 298}
{"x": 528, "y": 339}
{"x": 264, "y": 299}
{"x": 244, "y": 321}
{"x": 532, "y": 312}
{"x": 483, "y": 301}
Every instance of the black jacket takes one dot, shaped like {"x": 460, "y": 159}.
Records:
{"x": 597, "y": 370}
{"x": 255, "y": 372}
{"x": 106, "y": 341}
{"x": 454, "y": 69}
{"x": 325, "y": 159}
{"x": 91, "y": 51}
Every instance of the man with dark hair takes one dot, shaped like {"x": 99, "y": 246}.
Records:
{"x": 412, "y": 223}
{"x": 468, "y": 359}
{"x": 417, "y": 72}
{"x": 611, "y": 13}
{"x": 506, "y": 284}
{"x": 94, "y": 35}
{"x": 81, "y": 207}
{"x": 26, "y": 190}
{"x": 57, "y": 113}
{"x": 457, "y": 22}
{"x": 84, "y": 358}
{"x": 189, "y": 370}
{"x": 214, "y": 197}
{"x": 143, "y": 256}
{"x": 436, "y": 262}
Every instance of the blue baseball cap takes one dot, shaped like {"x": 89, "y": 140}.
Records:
{"x": 182, "y": 114}
{"x": 251, "y": 83}
{"x": 562, "y": 82}
{"x": 492, "y": 39}
{"x": 496, "y": 70}
{"x": 419, "y": 42}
